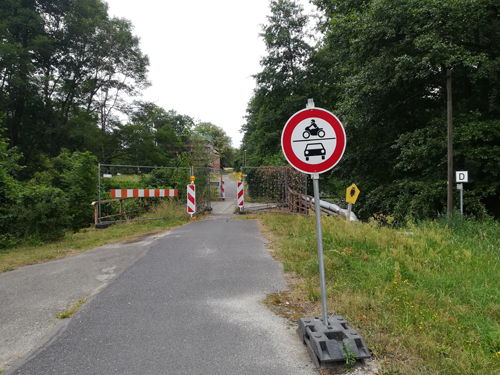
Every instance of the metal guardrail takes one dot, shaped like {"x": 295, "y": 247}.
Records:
{"x": 301, "y": 203}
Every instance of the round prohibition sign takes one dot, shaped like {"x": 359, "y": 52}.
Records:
{"x": 313, "y": 140}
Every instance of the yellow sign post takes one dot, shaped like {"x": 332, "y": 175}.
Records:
{"x": 352, "y": 193}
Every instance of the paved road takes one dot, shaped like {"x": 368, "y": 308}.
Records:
{"x": 189, "y": 304}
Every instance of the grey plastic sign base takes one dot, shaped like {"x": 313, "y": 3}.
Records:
{"x": 332, "y": 342}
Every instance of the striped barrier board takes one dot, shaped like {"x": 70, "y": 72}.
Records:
{"x": 191, "y": 201}
{"x": 240, "y": 194}
{"x": 223, "y": 189}
{"x": 140, "y": 193}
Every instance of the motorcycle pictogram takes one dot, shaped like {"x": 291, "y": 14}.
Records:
{"x": 313, "y": 129}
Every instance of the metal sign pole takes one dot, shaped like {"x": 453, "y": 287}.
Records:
{"x": 319, "y": 235}
{"x": 313, "y": 142}
{"x": 462, "y": 202}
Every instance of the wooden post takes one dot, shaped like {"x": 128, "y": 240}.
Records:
{"x": 450, "y": 142}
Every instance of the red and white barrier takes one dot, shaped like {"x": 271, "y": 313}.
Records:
{"x": 191, "y": 199}
{"x": 222, "y": 190}
{"x": 146, "y": 193}
{"x": 240, "y": 194}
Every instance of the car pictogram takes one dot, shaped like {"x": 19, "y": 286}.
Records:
{"x": 314, "y": 149}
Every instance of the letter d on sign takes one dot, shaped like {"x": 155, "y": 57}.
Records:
{"x": 462, "y": 176}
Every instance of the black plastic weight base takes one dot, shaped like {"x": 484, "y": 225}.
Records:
{"x": 333, "y": 342}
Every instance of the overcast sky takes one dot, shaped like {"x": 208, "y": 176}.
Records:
{"x": 202, "y": 55}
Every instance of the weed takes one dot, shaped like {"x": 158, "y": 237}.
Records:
{"x": 277, "y": 298}
{"x": 7, "y": 268}
{"x": 350, "y": 356}
{"x": 312, "y": 291}
{"x": 67, "y": 313}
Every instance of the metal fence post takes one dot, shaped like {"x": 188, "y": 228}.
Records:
{"x": 99, "y": 182}
{"x": 286, "y": 185}
{"x": 209, "y": 205}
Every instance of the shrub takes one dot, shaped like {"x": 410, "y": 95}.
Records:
{"x": 158, "y": 178}
{"x": 76, "y": 175}
{"x": 9, "y": 188}
{"x": 41, "y": 212}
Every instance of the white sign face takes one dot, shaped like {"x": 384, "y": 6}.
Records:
{"x": 105, "y": 175}
{"x": 460, "y": 186}
{"x": 462, "y": 176}
{"x": 313, "y": 141}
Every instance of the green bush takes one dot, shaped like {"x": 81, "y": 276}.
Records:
{"x": 9, "y": 188}
{"x": 41, "y": 213}
{"x": 158, "y": 178}
{"x": 112, "y": 183}
{"x": 76, "y": 175}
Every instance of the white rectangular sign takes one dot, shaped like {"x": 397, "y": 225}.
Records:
{"x": 462, "y": 176}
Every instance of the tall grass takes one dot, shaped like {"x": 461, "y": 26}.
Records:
{"x": 425, "y": 297}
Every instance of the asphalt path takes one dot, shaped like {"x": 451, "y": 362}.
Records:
{"x": 189, "y": 303}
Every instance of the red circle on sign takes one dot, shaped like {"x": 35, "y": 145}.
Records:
{"x": 286, "y": 140}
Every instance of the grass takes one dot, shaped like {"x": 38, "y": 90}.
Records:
{"x": 424, "y": 297}
{"x": 73, "y": 243}
{"x": 67, "y": 313}
{"x": 127, "y": 177}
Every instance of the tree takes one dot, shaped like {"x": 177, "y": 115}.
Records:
{"x": 393, "y": 57}
{"x": 220, "y": 140}
{"x": 64, "y": 63}
{"x": 119, "y": 73}
{"x": 281, "y": 85}
{"x": 147, "y": 138}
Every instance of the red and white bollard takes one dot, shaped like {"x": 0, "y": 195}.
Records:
{"x": 222, "y": 190}
{"x": 241, "y": 203}
{"x": 191, "y": 198}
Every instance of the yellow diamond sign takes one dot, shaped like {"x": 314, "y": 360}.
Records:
{"x": 352, "y": 194}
